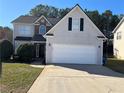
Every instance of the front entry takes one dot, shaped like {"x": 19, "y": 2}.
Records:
{"x": 40, "y": 51}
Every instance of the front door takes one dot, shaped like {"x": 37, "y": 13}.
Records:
{"x": 40, "y": 50}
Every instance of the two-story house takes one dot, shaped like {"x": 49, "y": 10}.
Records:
{"x": 30, "y": 29}
{"x": 74, "y": 39}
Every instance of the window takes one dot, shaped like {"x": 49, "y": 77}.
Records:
{"x": 25, "y": 30}
{"x": 75, "y": 24}
{"x": 81, "y": 24}
{"x": 42, "y": 29}
{"x": 70, "y": 24}
{"x": 118, "y": 35}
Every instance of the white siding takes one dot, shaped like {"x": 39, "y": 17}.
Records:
{"x": 74, "y": 54}
{"x": 86, "y": 37}
{"x": 119, "y": 43}
{"x": 21, "y": 29}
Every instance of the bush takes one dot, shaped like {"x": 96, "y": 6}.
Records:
{"x": 26, "y": 52}
{"x": 6, "y": 49}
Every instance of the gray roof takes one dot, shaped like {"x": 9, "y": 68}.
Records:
{"x": 53, "y": 21}
{"x": 38, "y": 37}
{"x": 32, "y": 19}
{"x": 25, "y": 19}
{"x": 34, "y": 38}
{"x": 23, "y": 38}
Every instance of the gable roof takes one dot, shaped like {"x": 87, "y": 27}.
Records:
{"x": 33, "y": 19}
{"x": 119, "y": 24}
{"x": 77, "y": 5}
{"x": 25, "y": 19}
{"x": 44, "y": 18}
{"x": 54, "y": 21}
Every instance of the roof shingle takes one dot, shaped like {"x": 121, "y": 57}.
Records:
{"x": 32, "y": 19}
{"x": 25, "y": 19}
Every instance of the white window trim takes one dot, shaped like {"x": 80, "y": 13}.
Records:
{"x": 74, "y": 23}
{"x": 24, "y": 31}
{"x": 119, "y": 35}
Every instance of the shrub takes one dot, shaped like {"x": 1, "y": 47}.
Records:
{"x": 26, "y": 52}
{"x": 6, "y": 49}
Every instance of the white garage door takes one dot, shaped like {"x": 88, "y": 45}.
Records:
{"x": 74, "y": 54}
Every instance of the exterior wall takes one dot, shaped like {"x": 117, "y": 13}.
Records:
{"x": 34, "y": 30}
{"x": 119, "y": 44}
{"x": 16, "y": 33}
{"x": 63, "y": 36}
{"x": 17, "y": 29}
{"x": 37, "y": 28}
{"x": 42, "y": 21}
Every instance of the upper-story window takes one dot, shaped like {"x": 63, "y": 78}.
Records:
{"x": 42, "y": 29}
{"x": 118, "y": 35}
{"x": 81, "y": 24}
{"x": 25, "y": 30}
{"x": 70, "y": 24}
{"x": 75, "y": 24}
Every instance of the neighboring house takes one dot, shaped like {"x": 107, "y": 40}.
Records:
{"x": 30, "y": 29}
{"x": 119, "y": 40}
{"x": 75, "y": 39}
{"x": 6, "y": 34}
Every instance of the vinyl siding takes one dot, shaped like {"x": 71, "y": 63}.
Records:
{"x": 119, "y": 43}
{"x": 63, "y": 36}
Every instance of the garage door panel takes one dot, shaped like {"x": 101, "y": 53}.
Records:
{"x": 74, "y": 54}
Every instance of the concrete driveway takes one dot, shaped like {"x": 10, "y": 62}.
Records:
{"x": 78, "y": 79}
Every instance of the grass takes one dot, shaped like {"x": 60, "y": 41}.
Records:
{"x": 18, "y": 78}
{"x": 116, "y": 65}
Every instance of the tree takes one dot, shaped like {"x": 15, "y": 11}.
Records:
{"x": 6, "y": 49}
{"x": 26, "y": 52}
{"x": 48, "y": 11}
{"x": 6, "y": 33}
{"x": 45, "y": 10}
{"x": 63, "y": 12}
{"x": 109, "y": 22}
{"x": 95, "y": 17}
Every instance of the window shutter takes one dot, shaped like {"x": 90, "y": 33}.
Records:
{"x": 81, "y": 24}
{"x": 70, "y": 24}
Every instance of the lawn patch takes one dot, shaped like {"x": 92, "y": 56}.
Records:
{"x": 18, "y": 78}
{"x": 115, "y": 64}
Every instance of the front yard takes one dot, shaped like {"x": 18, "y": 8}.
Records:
{"x": 18, "y": 78}
{"x": 116, "y": 65}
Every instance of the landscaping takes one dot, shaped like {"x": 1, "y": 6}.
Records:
{"x": 26, "y": 52}
{"x": 18, "y": 78}
{"x": 115, "y": 64}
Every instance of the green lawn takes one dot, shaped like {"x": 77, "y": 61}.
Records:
{"x": 18, "y": 78}
{"x": 116, "y": 65}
